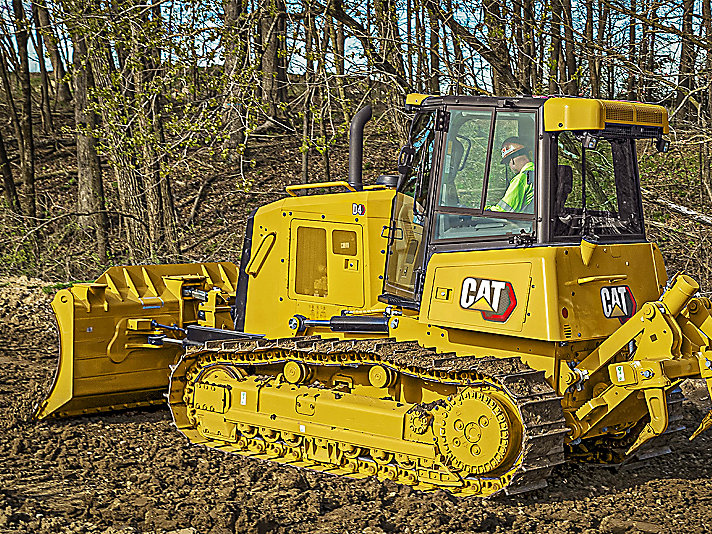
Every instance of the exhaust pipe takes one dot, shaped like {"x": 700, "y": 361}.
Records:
{"x": 356, "y": 147}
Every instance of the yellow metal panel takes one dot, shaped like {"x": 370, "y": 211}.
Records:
{"x": 415, "y": 99}
{"x": 592, "y": 114}
{"x": 567, "y": 300}
{"x": 488, "y": 296}
{"x": 271, "y": 299}
{"x": 573, "y": 114}
{"x": 316, "y": 273}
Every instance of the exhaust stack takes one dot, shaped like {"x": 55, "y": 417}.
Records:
{"x": 356, "y": 147}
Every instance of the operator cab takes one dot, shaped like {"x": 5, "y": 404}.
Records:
{"x": 487, "y": 172}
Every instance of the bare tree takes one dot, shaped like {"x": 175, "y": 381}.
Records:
{"x": 27, "y": 151}
{"x": 44, "y": 25}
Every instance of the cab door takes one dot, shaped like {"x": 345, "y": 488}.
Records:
{"x": 407, "y": 229}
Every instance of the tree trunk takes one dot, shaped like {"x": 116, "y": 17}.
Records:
{"x": 554, "y": 87}
{"x": 632, "y": 59}
{"x": 434, "y": 83}
{"x": 322, "y": 48}
{"x": 90, "y": 195}
{"x": 168, "y": 209}
{"x": 8, "y": 182}
{"x": 14, "y": 116}
{"x": 421, "y": 69}
{"x": 336, "y": 30}
{"x": 571, "y": 86}
{"x": 235, "y": 43}
{"x": 129, "y": 181}
{"x": 160, "y": 209}
{"x": 27, "y": 151}
{"x": 308, "y": 91}
{"x": 528, "y": 25}
{"x": 685, "y": 72}
{"x": 388, "y": 35}
{"x": 409, "y": 40}
{"x": 271, "y": 25}
{"x": 47, "y": 125}
{"x": 707, "y": 25}
{"x": 600, "y": 36}
{"x": 591, "y": 52}
{"x": 45, "y": 26}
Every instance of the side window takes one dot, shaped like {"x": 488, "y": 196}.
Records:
{"x": 465, "y": 159}
{"x": 510, "y": 186}
{"x": 612, "y": 194}
{"x": 600, "y": 179}
{"x": 343, "y": 242}
{"x": 311, "y": 273}
{"x": 481, "y": 200}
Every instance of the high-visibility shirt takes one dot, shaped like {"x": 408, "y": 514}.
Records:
{"x": 520, "y": 193}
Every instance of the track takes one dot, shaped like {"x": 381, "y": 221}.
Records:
{"x": 374, "y": 408}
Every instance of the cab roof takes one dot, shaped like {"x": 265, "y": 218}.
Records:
{"x": 560, "y": 113}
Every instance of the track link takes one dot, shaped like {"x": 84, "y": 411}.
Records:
{"x": 303, "y": 402}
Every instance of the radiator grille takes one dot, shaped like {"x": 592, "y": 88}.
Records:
{"x": 618, "y": 112}
{"x": 649, "y": 116}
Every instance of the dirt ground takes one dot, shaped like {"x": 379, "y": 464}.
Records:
{"x": 132, "y": 472}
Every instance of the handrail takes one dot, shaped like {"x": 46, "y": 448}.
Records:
{"x": 610, "y": 278}
{"x": 318, "y": 185}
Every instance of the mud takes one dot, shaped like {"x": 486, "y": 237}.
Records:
{"x": 132, "y": 472}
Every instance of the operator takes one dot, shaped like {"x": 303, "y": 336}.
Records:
{"x": 519, "y": 195}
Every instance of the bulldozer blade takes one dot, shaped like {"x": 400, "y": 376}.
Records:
{"x": 106, "y": 359}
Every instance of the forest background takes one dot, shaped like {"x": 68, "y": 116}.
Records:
{"x": 138, "y": 132}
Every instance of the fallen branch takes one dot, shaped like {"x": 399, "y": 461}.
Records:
{"x": 665, "y": 227}
{"x": 199, "y": 197}
{"x": 696, "y": 216}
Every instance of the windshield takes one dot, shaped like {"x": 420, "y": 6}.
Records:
{"x": 612, "y": 195}
{"x": 487, "y": 184}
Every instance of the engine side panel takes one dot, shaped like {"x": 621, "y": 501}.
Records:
{"x": 316, "y": 256}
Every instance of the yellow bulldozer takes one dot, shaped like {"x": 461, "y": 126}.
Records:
{"x": 467, "y": 324}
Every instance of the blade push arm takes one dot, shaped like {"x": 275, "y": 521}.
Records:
{"x": 666, "y": 341}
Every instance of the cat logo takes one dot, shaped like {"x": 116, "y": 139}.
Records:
{"x": 618, "y": 302}
{"x": 493, "y": 298}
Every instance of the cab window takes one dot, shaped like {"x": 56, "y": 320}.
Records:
{"x": 612, "y": 197}
{"x": 487, "y": 183}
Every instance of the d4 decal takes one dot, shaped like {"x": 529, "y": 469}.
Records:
{"x": 495, "y": 299}
{"x": 618, "y": 303}
{"x": 358, "y": 209}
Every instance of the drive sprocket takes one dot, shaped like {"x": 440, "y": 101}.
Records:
{"x": 476, "y": 432}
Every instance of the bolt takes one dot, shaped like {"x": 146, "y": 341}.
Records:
{"x": 293, "y": 323}
{"x": 647, "y": 373}
{"x": 708, "y": 363}
{"x": 394, "y": 323}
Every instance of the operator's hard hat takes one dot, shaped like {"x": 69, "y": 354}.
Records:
{"x": 511, "y": 147}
